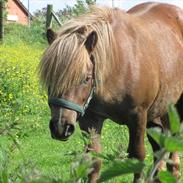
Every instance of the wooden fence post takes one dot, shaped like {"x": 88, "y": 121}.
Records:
{"x": 1, "y": 21}
{"x": 49, "y": 16}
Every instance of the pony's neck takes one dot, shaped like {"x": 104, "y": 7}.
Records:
{"x": 115, "y": 69}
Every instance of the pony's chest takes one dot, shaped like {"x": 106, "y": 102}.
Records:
{"x": 119, "y": 112}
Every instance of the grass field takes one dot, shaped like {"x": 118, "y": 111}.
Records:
{"x": 28, "y": 151}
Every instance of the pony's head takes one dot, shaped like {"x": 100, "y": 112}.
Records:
{"x": 80, "y": 54}
{"x": 71, "y": 79}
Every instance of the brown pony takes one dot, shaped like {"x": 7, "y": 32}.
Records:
{"x": 126, "y": 66}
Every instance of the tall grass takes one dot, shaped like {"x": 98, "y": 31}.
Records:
{"x": 33, "y": 35}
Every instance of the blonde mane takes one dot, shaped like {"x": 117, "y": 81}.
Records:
{"x": 64, "y": 62}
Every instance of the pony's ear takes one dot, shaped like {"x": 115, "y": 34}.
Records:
{"x": 82, "y": 30}
{"x": 51, "y": 35}
{"x": 91, "y": 41}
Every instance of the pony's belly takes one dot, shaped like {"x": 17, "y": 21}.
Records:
{"x": 166, "y": 96}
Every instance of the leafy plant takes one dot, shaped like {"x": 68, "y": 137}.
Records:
{"x": 170, "y": 142}
{"x": 33, "y": 35}
{"x": 117, "y": 168}
{"x": 18, "y": 81}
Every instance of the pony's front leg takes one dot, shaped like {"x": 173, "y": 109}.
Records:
{"x": 92, "y": 124}
{"x": 137, "y": 125}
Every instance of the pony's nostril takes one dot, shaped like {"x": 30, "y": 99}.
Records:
{"x": 60, "y": 131}
{"x": 69, "y": 130}
{"x": 51, "y": 125}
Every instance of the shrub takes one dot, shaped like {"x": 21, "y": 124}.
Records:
{"x": 33, "y": 35}
{"x": 171, "y": 141}
{"x": 19, "y": 87}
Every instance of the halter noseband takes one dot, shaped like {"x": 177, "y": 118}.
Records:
{"x": 71, "y": 105}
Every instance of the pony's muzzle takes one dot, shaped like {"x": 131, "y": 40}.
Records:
{"x": 61, "y": 131}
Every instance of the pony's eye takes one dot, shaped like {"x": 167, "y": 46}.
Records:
{"x": 85, "y": 81}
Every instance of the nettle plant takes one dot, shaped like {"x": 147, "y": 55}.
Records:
{"x": 170, "y": 141}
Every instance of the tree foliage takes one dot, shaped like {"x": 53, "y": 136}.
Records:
{"x": 68, "y": 12}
